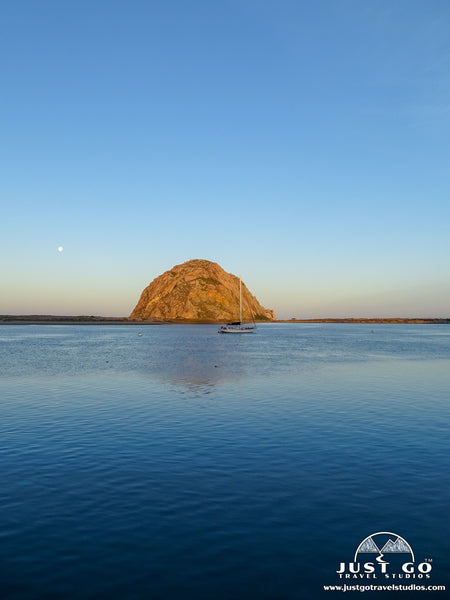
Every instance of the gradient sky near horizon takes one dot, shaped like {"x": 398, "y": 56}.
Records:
{"x": 302, "y": 145}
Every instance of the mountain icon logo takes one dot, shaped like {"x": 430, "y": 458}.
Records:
{"x": 384, "y": 542}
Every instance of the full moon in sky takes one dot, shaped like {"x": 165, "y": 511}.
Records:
{"x": 60, "y": 248}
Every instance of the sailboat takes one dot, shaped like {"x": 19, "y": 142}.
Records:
{"x": 238, "y": 326}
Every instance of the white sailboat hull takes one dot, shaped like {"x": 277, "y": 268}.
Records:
{"x": 236, "y": 329}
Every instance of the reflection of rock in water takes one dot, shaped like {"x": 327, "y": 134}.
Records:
{"x": 191, "y": 356}
{"x": 190, "y": 372}
{"x": 196, "y": 389}
{"x": 197, "y": 368}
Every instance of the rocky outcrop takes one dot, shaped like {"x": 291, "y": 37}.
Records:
{"x": 198, "y": 290}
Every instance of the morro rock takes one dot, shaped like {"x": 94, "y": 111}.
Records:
{"x": 198, "y": 290}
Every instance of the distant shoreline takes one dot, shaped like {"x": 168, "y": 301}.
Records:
{"x": 95, "y": 320}
{"x": 391, "y": 320}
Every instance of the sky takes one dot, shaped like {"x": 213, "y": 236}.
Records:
{"x": 303, "y": 145}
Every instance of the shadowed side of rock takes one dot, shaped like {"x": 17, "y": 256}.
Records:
{"x": 198, "y": 290}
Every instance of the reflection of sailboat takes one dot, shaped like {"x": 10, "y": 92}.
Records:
{"x": 238, "y": 326}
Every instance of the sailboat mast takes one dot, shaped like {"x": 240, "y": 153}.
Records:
{"x": 240, "y": 300}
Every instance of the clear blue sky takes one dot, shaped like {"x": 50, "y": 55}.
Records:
{"x": 302, "y": 144}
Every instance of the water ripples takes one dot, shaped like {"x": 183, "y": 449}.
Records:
{"x": 192, "y": 465}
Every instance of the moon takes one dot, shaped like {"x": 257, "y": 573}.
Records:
{"x": 60, "y": 248}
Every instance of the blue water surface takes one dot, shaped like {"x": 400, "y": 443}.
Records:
{"x": 183, "y": 464}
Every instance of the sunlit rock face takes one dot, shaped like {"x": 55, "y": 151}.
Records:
{"x": 198, "y": 290}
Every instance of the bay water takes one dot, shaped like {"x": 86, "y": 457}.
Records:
{"x": 170, "y": 462}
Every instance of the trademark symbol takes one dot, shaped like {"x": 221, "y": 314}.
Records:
{"x": 428, "y": 560}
